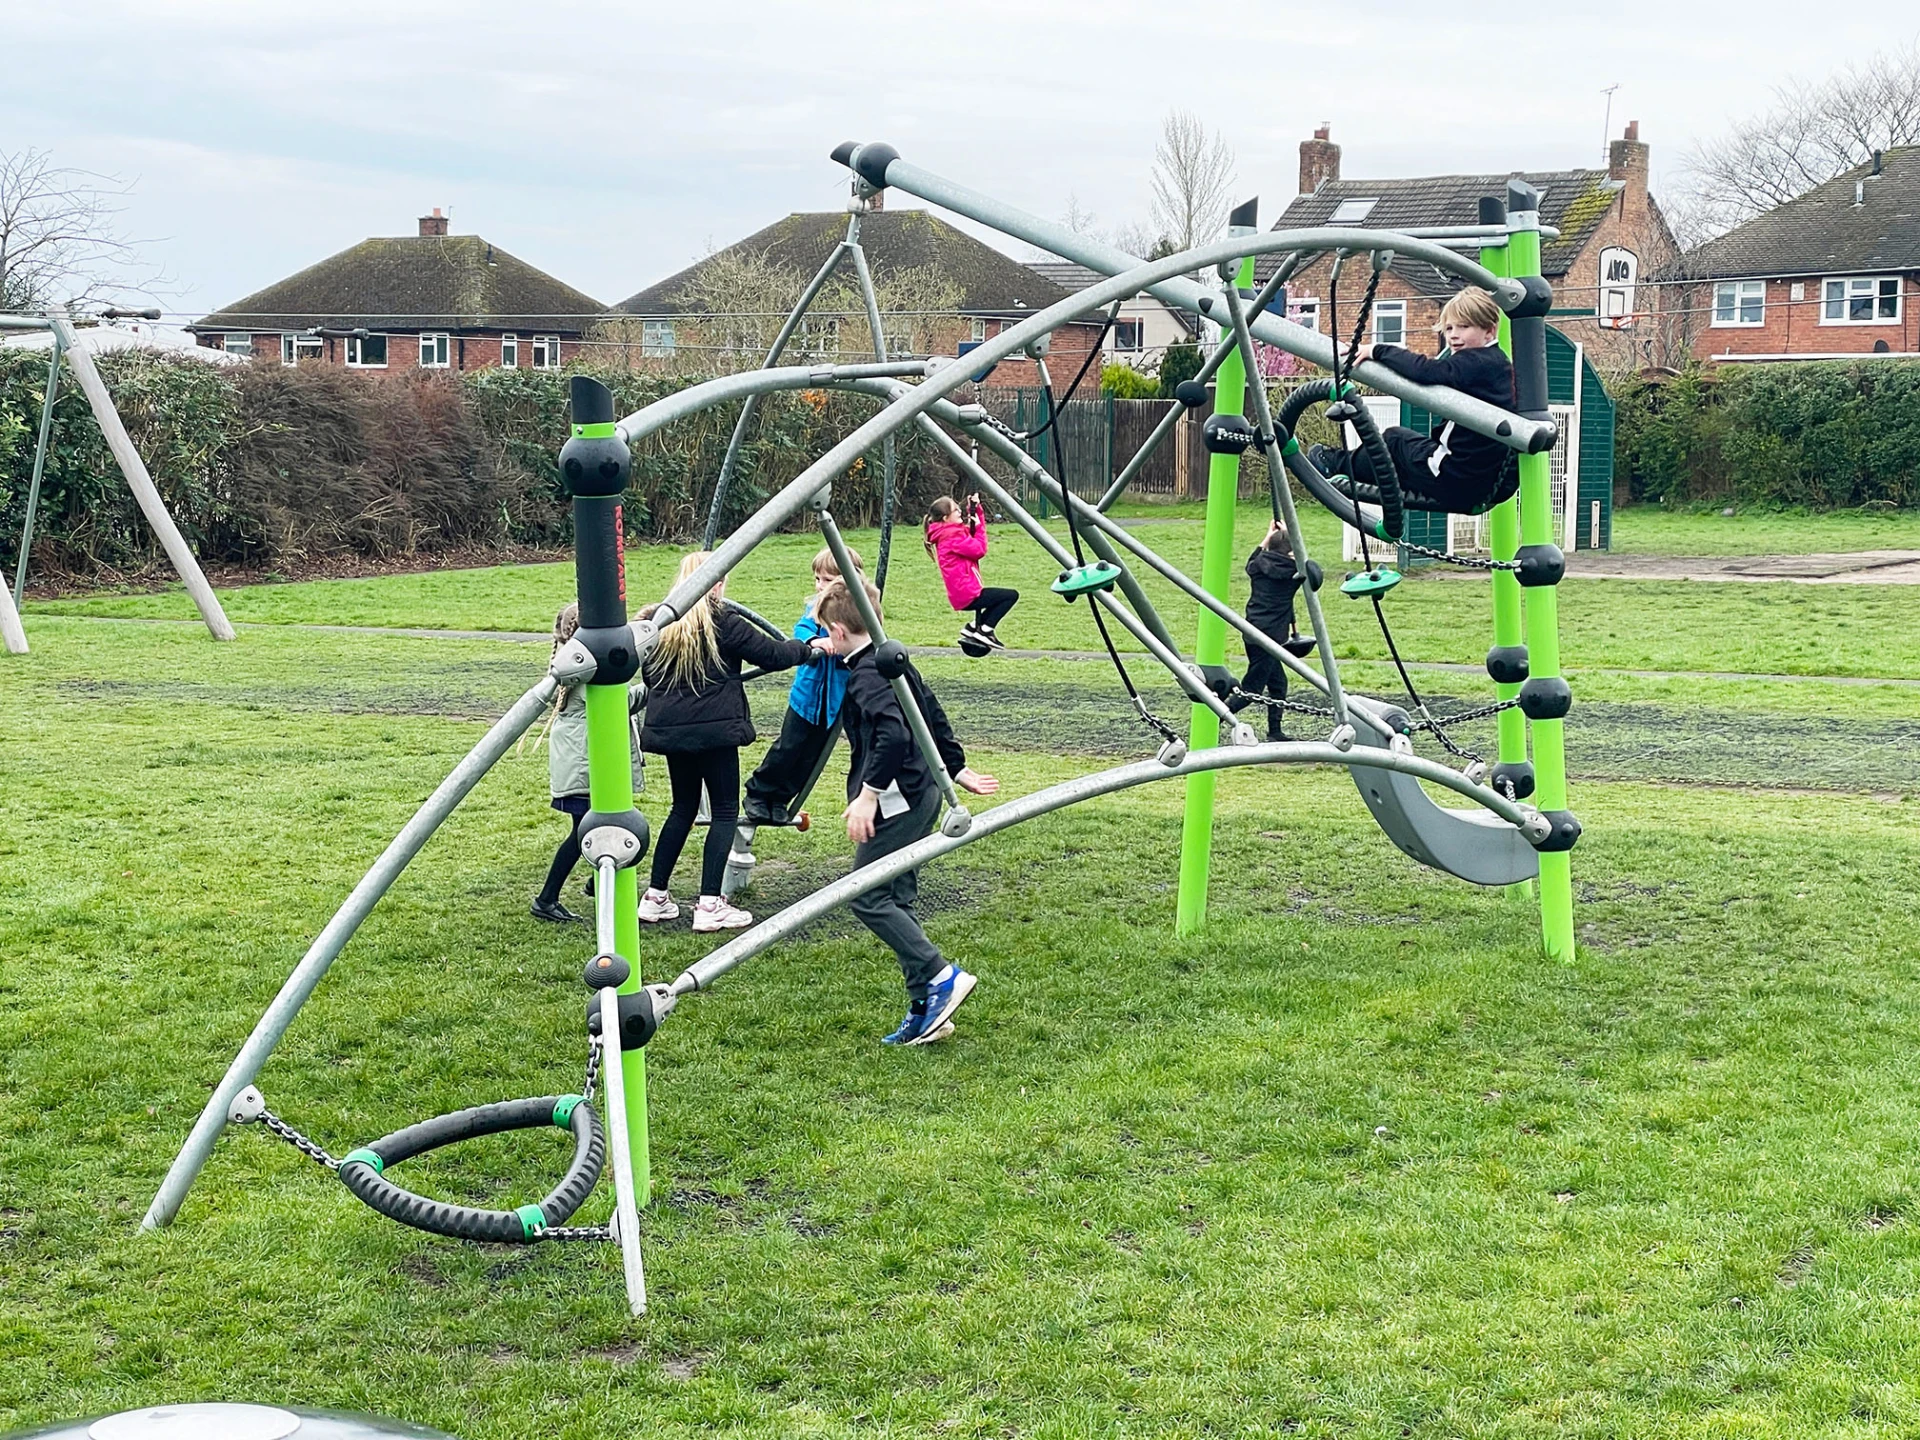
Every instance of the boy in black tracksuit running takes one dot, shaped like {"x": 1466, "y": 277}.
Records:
{"x": 894, "y": 800}
{"x": 1454, "y": 470}
{"x": 1270, "y": 610}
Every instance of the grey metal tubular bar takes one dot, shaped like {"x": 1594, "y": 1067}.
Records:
{"x": 903, "y": 692}
{"x": 24, "y": 322}
{"x": 626, "y": 1209}
{"x": 39, "y": 467}
{"x": 332, "y": 940}
{"x": 799, "y": 491}
{"x": 1277, "y": 478}
{"x": 1168, "y": 657}
{"x": 887, "y": 477}
{"x": 1172, "y": 418}
{"x": 702, "y": 973}
{"x": 695, "y": 398}
{"x": 1170, "y": 284}
{"x": 739, "y": 436}
{"x": 11, "y": 635}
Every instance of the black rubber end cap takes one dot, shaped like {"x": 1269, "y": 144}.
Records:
{"x": 1493, "y": 210}
{"x": 890, "y": 659}
{"x": 1546, "y": 697}
{"x": 1513, "y": 778}
{"x": 607, "y": 972}
{"x": 1521, "y": 196}
{"x": 1246, "y": 214}
{"x": 1540, "y": 565}
{"x": 1396, "y": 720}
{"x": 843, "y": 152}
{"x": 1316, "y": 577}
{"x": 870, "y": 163}
{"x": 592, "y": 402}
{"x": 1507, "y": 664}
{"x": 1219, "y": 680}
{"x": 1566, "y": 830}
{"x": 1190, "y": 393}
{"x": 1226, "y": 434}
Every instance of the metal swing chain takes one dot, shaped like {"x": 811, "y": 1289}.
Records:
{"x": 593, "y": 1069}
{"x": 1465, "y": 562}
{"x": 293, "y": 1137}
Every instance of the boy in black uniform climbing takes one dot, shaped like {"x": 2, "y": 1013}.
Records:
{"x": 1276, "y": 581}
{"x": 1454, "y": 470}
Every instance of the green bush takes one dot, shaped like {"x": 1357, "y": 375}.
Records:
{"x": 1821, "y": 435}
{"x": 261, "y": 463}
{"x": 1180, "y": 362}
{"x": 1123, "y": 382}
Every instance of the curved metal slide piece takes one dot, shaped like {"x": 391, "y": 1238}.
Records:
{"x": 702, "y": 973}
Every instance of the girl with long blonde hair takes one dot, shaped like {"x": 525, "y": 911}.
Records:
{"x": 698, "y": 718}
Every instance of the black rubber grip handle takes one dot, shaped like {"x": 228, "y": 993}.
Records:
{"x": 1392, "y": 507}
{"x": 1393, "y": 516}
{"x": 466, "y": 1222}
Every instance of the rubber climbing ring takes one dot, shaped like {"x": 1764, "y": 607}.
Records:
{"x": 364, "y": 1171}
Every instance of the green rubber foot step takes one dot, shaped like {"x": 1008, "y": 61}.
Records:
{"x": 1085, "y": 579}
{"x": 1370, "y": 582}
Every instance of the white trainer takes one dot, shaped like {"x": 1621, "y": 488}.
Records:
{"x": 713, "y": 912}
{"x": 657, "y": 905}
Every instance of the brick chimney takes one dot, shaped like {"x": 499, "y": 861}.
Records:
{"x": 1319, "y": 160}
{"x": 1627, "y": 163}
{"x": 434, "y": 224}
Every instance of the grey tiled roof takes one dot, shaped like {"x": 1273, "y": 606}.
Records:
{"x": 1573, "y": 201}
{"x": 407, "y": 282}
{"x": 990, "y": 283}
{"x": 1824, "y": 232}
{"x": 1074, "y": 277}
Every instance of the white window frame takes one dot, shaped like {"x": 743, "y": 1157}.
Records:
{"x": 1389, "y": 307}
{"x": 546, "y": 352}
{"x": 509, "y": 352}
{"x": 1304, "y": 311}
{"x": 1352, "y": 211}
{"x": 295, "y": 347}
{"x": 658, "y": 339}
{"x": 238, "y": 343}
{"x": 436, "y": 350}
{"x": 1129, "y": 326}
{"x": 1871, "y": 288}
{"x": 977, "y": 329}
{"x": 1741, "y": 290}
{"x": 355, "y": 351}
{"x": 818, "y": 337}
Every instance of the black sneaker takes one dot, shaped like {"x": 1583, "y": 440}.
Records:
{"x": 992, "y": 638}
{"x": 1327, "y": 460}
{"x": 556, "y": 912}
{"x": 758, "y": 812}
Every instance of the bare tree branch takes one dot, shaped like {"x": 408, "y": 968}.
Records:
{"x": 1812, "y": 133}
{"x": 59, "y": 235}
{"x": 1192, "y": 177}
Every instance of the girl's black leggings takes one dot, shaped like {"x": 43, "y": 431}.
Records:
{"x": 719, "y": 771}
{"x": 991, "y": 605}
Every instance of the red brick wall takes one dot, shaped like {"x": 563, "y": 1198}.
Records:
{"x": 1793, "y": 327}
{"x": 1070, "y": 345}
{"x": 464, "y": 352}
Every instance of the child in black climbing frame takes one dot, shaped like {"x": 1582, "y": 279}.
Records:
{"x": 1454, "y": 470}
{"x": 892, "y": 801}
{"x": 1270, "y": 609}
{"x": 566, "y": 775}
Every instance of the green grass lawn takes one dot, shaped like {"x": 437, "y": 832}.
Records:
{"x": 1647, "y": 625}
{"x": 1658, "y": 530}
{"x": 1354, "y": 1162}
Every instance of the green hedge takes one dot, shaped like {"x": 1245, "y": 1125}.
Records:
{"x": 260, "y": 463}
{"x": 1823, "y": 435}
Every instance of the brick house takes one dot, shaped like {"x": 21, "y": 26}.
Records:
{"x": 1145, "y": 326}
{"x": 996, "y": 292}
{"x": 431, "y": 301}
{"x": 1612, "y": 235}
{"x": 1832, "y": 274}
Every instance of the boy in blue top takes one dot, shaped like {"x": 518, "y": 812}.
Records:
{"x": 813, "y": 709}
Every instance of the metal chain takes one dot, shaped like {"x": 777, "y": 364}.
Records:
{"x": 574, "y": 1232}
{"x": 593, "y": 1069}
{"x": 299, "y": 1142}
{"x": 1465, "y": 562}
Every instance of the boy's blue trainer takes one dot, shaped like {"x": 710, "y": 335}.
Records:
{"x": 929, "y": 1020}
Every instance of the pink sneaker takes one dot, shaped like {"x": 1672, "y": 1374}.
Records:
{"x": 713, "y": 912}
{"x": 657, "y": 905}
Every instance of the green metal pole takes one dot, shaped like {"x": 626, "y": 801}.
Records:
{"x": 594, "y": 466}
{"x": 1504, "y": 540}
{"x": 1542, "y": 605}
{"x": 1210, "y": 642}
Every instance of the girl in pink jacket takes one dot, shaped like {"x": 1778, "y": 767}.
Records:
{"x": 957, "y": 543}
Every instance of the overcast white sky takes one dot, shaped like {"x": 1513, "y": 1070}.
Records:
{"x": 613, "y": 143}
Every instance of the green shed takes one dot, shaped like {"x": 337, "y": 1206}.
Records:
{"x": 1582, "y": 463}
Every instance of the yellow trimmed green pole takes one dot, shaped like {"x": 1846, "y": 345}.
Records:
{"x": 1508, "y": 655}
{"x": 594, "y": 466}
{"x": 1210, "y": 642}
{"x": 1545, "y": 697}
